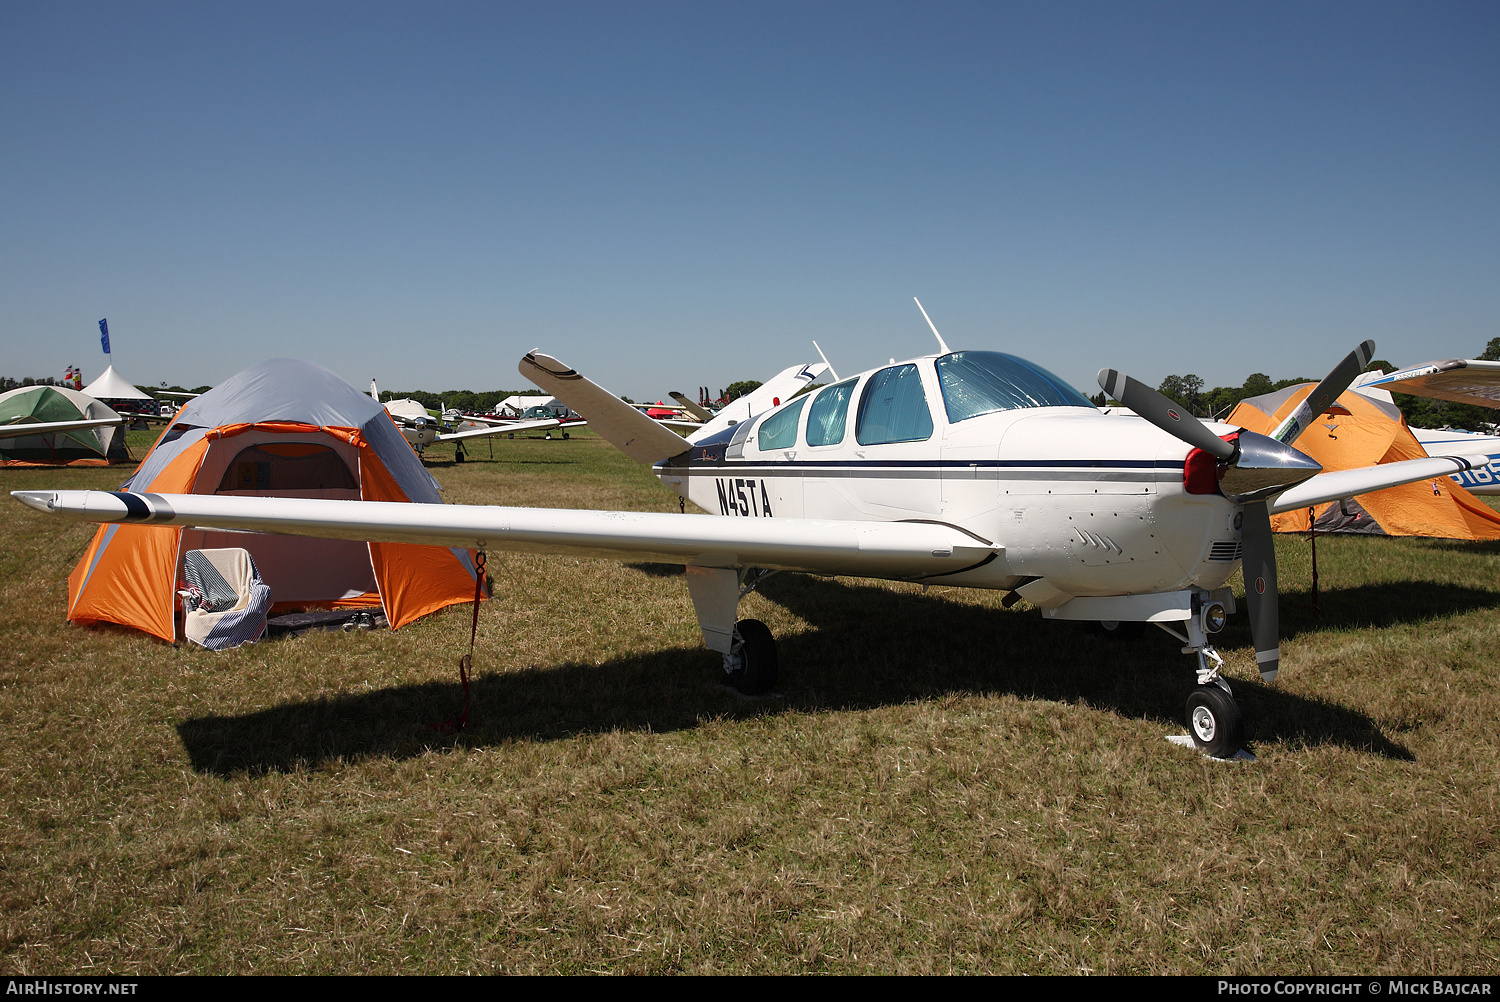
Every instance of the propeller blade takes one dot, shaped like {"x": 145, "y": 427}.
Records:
{"x": 1325, "y": 393}
{"x": 1170, "y": 417}
{"x": 1259, "y": 566}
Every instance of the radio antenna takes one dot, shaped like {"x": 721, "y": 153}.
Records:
{"x": 835, "y": 375}
{"x": 941, "y": 343}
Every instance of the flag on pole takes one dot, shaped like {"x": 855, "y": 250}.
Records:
{"x": 104, "y": 335}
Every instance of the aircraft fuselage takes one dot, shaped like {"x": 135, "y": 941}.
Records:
{"x": 1094, "y": 503}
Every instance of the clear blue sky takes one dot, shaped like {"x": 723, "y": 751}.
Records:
{"x": 667, "y": 195}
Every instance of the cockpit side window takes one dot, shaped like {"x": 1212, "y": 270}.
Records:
{"x": 983, "y": 382}
{"x": 893, "y": 408}
{"x": 829, "y": 416}
{"x": 779, "y": 431}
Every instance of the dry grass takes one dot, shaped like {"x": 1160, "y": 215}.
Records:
{"x": 944, "y": 786}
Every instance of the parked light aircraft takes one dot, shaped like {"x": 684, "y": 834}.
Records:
{"x": 538, "y": 418}
{"x": 1460, "y": 380}
{"x": 962, "y": 468}
{"x": 421, "y": 429}
{"x": 1479, "y": 480}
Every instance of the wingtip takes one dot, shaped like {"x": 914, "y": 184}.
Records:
{"x": 40, "y": 500}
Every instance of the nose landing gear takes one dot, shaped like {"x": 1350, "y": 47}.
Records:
{"x": 1213, "y": 717}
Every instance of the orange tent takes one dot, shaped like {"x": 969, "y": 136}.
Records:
{"x": 287, "y": 429}
{"x": 1361, "y": 430}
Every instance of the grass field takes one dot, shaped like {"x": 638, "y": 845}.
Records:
{"x": 942, "y": 785}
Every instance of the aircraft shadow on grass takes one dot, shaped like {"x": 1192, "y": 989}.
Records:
{"x": 868, "y": 647}
{"x": 1484, "y": 547}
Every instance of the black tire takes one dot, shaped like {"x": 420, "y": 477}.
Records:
{"x": 1121, "y": 631}
{"x": 458, "y": 454}
{"x": 755, "y": 652}
{"x": 1213, "y": 719}
{"x": 565, "y": 436}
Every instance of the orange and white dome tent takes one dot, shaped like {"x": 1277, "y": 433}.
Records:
{"x": 1361, "y": 430}
{"x": 284, "y": 428}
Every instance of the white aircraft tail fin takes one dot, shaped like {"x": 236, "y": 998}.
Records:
{"x": 630, "y": 431}
{"x": 779, "y": 388}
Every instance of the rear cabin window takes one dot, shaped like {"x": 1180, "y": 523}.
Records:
{"x": 779, "y": 431}
{"x": 893, "y": 408}
{"x": 983, "y": 382}
{"x": 829, "y": 415}
{"x": 287, "y": 466}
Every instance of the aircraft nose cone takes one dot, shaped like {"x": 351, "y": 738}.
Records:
{"x": 1264, "y": 468}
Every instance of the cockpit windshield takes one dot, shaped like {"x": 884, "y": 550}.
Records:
{"x": 983, "y": 382}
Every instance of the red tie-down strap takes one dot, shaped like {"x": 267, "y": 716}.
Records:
{"x": 466, "y": 663}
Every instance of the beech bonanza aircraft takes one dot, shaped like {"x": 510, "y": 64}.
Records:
{"x": 963, "y": 468}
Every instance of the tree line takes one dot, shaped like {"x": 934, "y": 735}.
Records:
{"x": 1420, "y": 412}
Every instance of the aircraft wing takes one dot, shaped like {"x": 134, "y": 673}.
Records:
{"x": 821, "y": 546}
{"x": 506, "y": 429}
{"x": 49, "y": 427}
{"x": 1461, "y": 380}
{"x": 1348, "y": 483}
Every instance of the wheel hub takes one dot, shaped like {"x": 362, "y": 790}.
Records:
{"x": 1204, "y": 725}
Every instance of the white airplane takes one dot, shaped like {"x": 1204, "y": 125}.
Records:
{"x": 1481, "y": 479}
{"x": 421, "y": 429}
{"x": 781, "y": 387}
{"x": 696, "y": 422}
{"x": 489, "y": 425}
{"x": 961, "y": 468}
{"x": 1460, "y": 380}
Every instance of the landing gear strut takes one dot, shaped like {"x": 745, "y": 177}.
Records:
{"x": 1213, "y": 717}
{"x": 747, "y": 647}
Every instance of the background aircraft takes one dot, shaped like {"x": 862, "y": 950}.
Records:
{"x": 964, "y": 468}
{"x": 1481, "y": 479}
{"x": 421, "y": 428}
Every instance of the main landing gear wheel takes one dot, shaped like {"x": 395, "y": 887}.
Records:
{"x": 751, "y": 662}
{"x": 1213, "y": 719}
